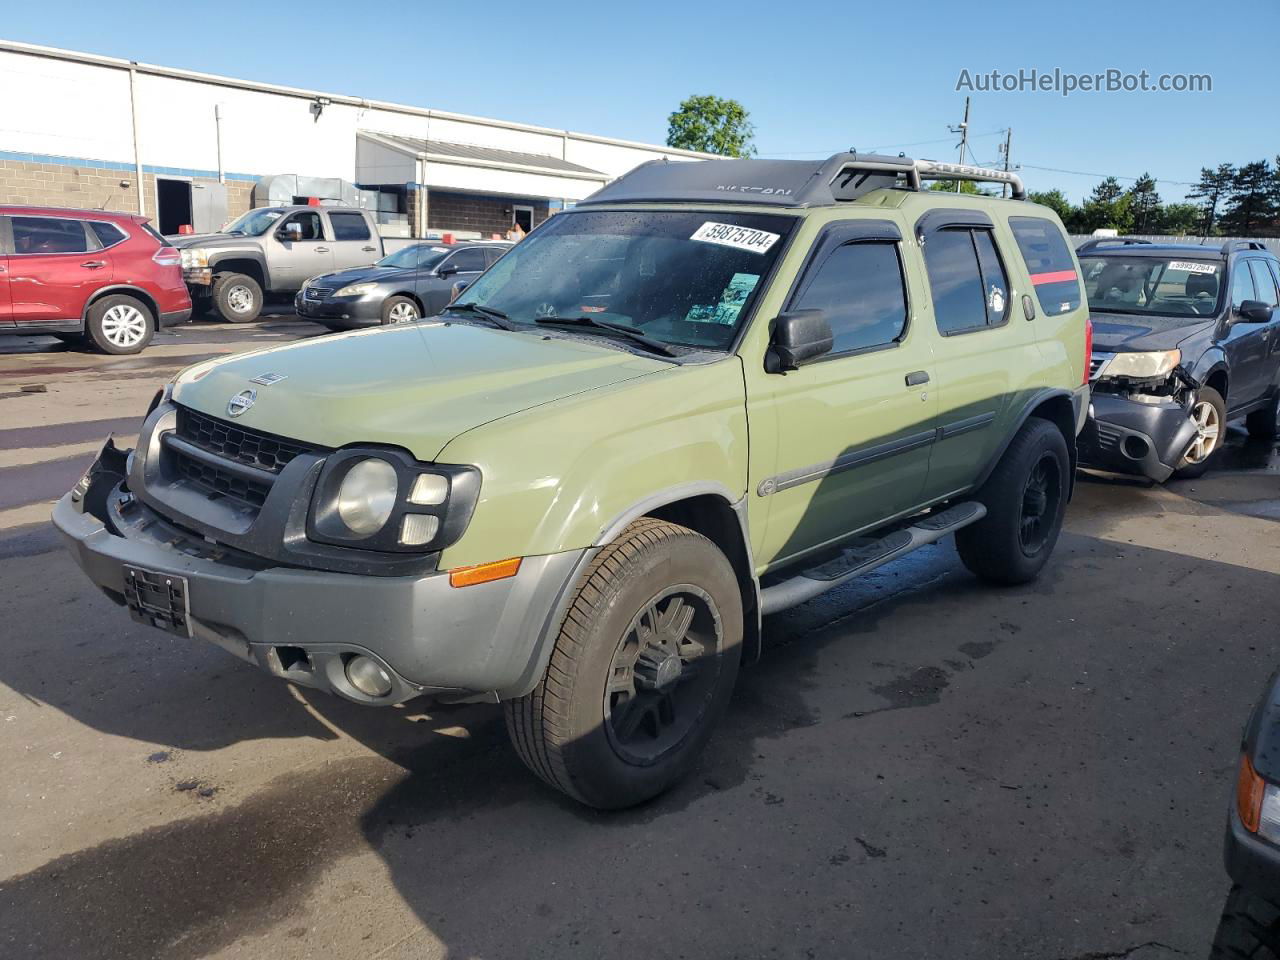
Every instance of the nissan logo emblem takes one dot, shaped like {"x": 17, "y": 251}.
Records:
{"x": 241, "y": 402}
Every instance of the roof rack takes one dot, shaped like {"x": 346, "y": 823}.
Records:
{"x": 1103, "y": 241}
{"x": 787, "y": 183}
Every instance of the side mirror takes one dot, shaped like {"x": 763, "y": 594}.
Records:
{"x": 448, "y": 270}
{"x": 798, "y": 337}
{"x": 457, "y": 289}
{"x": 1254, "y": 311}
{"x": 291, "y": 231}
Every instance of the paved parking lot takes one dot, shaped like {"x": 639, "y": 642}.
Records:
{"x": 920, "y": 767}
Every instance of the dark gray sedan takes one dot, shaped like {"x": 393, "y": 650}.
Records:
{"x": 416, "y": 281}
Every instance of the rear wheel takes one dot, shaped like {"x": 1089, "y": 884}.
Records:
{"x": 1026, "y": 498}
{"x": 238, "y": 298}
{"x": 120, "y": 325}
{"x": 400, "y": 310}
{"x": 1210, "y": 415}
{"x": 1249, "y": 929}
{"x": 1264, "y": 424}
{"x": 641, "y": 672}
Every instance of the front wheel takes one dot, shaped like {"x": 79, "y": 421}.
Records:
{"x": 400, "y": 309}
{"x": 1210, "y": 415}
{"x": 1026, "y": 498}
{"x": 641, "y": 672}
{"x": 237, "y": 298}
{"x": 1249, "y": 929}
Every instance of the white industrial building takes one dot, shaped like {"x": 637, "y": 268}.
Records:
{"x": 191, "y": 150}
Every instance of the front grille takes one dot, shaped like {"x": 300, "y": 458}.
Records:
{"x": 317, "y": 293}
{"x": 253, "y": 448}
{"x": 221, "y": 482}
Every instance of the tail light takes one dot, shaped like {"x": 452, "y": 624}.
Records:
{"x": 168, "y": 257}
{"x": 1088, "y": 348}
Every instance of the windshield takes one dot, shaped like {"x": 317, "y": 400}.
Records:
{"x": 255, "y": 222}
{"x": 1154, "y": 286}
{"x": 679, "y": 277}
{"x": 424, "y": 255}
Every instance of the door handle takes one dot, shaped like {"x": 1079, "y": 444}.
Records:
{"x": 94, "y": 264}
{"x": 369, "y": 249}
{"x": 322, "y": 249}
{"x": 917, "y": 378}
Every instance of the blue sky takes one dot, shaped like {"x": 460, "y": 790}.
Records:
{"x": 816, "y": 77}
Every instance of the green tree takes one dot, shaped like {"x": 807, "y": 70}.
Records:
{"x": 1144, "y": 202}
{"x": 713, "y": 125}
{"x": 1055, "y": 200}
{"x": 1181, "y": 219}
{"x": 1108, "y": 207}
{"x": 1212, "y": 189}
{"x": 1252, "y": 207}
{"x": 966, "y": 187}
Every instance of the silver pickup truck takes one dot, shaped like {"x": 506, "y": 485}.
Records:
{"x": 273, "y": 251}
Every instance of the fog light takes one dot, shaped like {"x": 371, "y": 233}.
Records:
{"x": 368, "y": 676}
{"x": 418, "y": 528}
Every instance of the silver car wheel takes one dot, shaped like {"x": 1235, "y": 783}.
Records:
{"x": 124, "y": 326}
{"x": 402, "y": 312}
{"x": 1208, "y": 431}
{"x": 240, "y": 298}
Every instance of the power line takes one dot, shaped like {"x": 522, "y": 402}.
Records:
{"x": 1103, "y": 176}
{"x": 881, "y": 146}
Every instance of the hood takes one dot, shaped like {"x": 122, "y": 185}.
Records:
{"x": 415, "y": 386}
{"x": 211, "y": 240}
{"x": 1114, "y": 332}
{"x": 357, "y": 274}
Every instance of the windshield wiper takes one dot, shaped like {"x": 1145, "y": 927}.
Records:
{"x": 494, "y": 316}
{"x": 583, "y": 320}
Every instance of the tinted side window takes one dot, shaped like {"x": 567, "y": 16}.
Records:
{"x": 959, "y": 302}
{"x": 1048, "y": 260}
{"x": 349, "y": 226}
{"x": 108, "y": 234}
{"x": 468, "y": 261}
{"x": 995, "y": 283}
{"x": 859, "y": 287}
{"x": 1241, "y": 284}
{"x": 48, "y": 235}
{"x": 1263, "y": 283}
{"x": 310, "y": 223}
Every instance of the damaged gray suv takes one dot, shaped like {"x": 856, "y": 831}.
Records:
{"x": 1185, "y": 339}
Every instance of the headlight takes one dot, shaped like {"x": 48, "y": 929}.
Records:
{"x": 1141, "y": 366}
{"x": 382, "y": 499}
{"x": 1257, "y": 803}
{"x": 1269, "y": 819}
{"x": 194, "y": 258}
{"x": 367, "y": 496}
{"x": 355, "y": 290}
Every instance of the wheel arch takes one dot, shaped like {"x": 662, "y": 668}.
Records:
{"x": 1053, "y": 405}
{"x": 250, "y": 266}
{"x": 411, "y": 295}
{"x": 127, "y": 290}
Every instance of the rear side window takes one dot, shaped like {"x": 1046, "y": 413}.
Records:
{"x": 1263, "y": 283}
{"x": 349, "y": 226}
{"x": 108, "y": 234}
{"x": 859, "y": 287}
{"x": 48, "y": 235}
{"x": 967, "y": 280}
{"x": 1048, "y": 260}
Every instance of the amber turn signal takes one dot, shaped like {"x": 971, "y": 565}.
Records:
{"x": 1249, "y": 790}
{"x": 485, "y": 572}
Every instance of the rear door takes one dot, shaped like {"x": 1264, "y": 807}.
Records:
{"x": 353, "y": 243}
{"x": 55, "y": 265}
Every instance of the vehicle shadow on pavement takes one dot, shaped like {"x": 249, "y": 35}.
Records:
{"x": 919, "y": 759}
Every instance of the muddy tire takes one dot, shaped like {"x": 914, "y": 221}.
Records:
{"x": 236, "y": 297}
{"x": 1026, "y": 498}
{"x": 641, "y": 672}
{"x": 1249, "y": 929}
{"x": 1210, "y": 411}
{"x": 1264, "y": 424}
{"x": 119, "y": 325}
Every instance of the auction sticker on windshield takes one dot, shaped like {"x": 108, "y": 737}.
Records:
{"x": 740, "y": 238}
{"x": 1190, "y": 266}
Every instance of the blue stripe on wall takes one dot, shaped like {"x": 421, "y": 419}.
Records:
{"x": 128, "y": 167}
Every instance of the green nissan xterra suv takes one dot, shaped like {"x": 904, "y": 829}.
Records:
{"x": 711, "y": 391}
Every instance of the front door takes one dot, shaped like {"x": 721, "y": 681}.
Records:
{"x": 844, "y": 441}
{"x": 353, "y": 244}
{"x": 464, "y": 265}
{"x": 1247, "y": 345}
{"x": 54, "y": 267}
{"x": 293, "y": 262}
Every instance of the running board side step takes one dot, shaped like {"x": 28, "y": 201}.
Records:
{"x": 865, "y": 554}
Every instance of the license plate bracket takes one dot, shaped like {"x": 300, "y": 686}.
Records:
{"x": 158, "y": 600}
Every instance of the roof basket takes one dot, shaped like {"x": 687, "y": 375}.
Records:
{"x": 787, "y": 183}
{"x": 1104, "y": 241}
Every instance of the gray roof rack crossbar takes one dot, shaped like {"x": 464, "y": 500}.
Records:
{"x": 1096, "y": 242}
{"x": 786, "y": 183}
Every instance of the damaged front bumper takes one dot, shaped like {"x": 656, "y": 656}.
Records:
{"x": 1144, "y": 437}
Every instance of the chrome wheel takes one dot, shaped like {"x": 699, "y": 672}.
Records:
{"x": 240, "y": 298}
{"x": 663, "y": 674}
{"x": 1208, "y": 432}
{"x": 402, "y": 312}
{"x": 124, "y": 326}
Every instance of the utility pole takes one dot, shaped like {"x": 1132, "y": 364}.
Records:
{"x": 1008, "y": 139}
{"x": 963, "y": 130}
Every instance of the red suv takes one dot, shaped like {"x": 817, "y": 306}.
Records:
{"x": 86, "y": 273}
